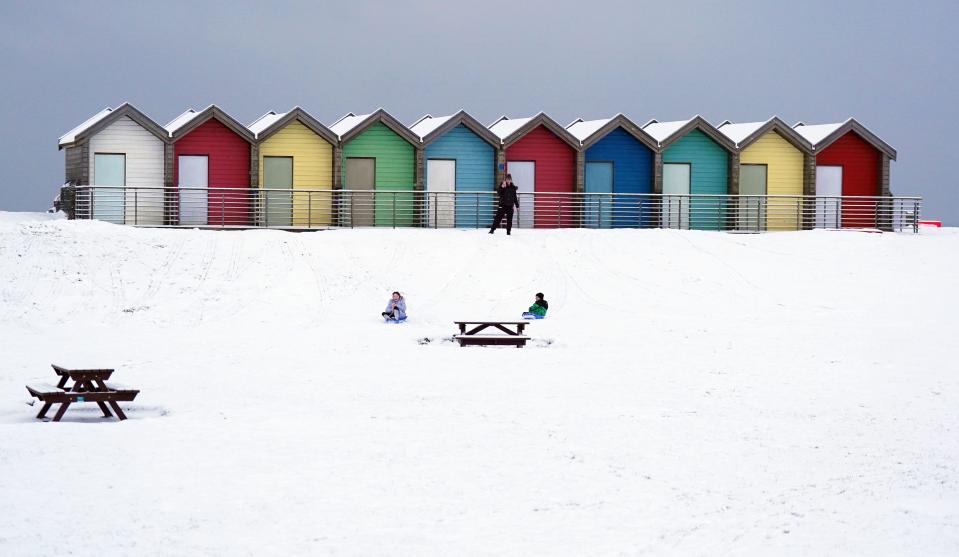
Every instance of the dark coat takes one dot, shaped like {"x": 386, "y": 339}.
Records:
{"x": 507, "y": 195}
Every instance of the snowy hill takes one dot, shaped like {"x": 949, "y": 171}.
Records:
{"x": 690, "y": 393}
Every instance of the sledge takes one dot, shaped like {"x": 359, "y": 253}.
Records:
{"x": 528, "y": 315}
{"x": 391, "y": 321}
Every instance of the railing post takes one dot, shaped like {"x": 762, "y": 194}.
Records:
{"x": 309, "y": 209}
{"x": 719, "y": 215}
{"x": 759, "y": 214}
{"x": 222, "y": 209}
{"x": 136, "y": 207}
{"x": 799, "y": 216}
{"x": 394, "y": 210}
{"x": 476, "y": 224}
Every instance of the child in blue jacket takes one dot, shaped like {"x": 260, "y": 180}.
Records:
{"x": 395, "y": 308}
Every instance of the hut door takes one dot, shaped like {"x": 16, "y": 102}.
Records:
{"x": 109, "y": 170}
{"x": 441, "y": 177}
{"x": 194, "y": 179}
{"x": 524, "y": 176}
{"x": 361, "y": 176}
{"x": 278, "y": 205}
{"x": 752, "y": 210}
{"x": 828, "y": 197}
{"x": 675, "y": 209}
{"x": 598, "y": 209}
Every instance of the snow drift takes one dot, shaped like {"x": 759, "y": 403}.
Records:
{"x": 690, "y": 393}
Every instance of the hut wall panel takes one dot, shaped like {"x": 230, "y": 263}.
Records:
{"x": 229, "y": 167}
{"x": 475, "y": 168}
{"x": 144, "y": 168}
{"x": 709, "y": 175}
{"x": 784, "y": 176}
{"x": 312, "y": 170}
{"x": 555, "y": 172}
{"x": 395, "y": 160}
{"x": 632, "y": 172}
{"x": 860, "y": 164}
{"x": 76, "y": 165}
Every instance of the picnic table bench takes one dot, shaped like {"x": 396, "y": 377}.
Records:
{"x": 513, "y": 333}
{"x": 89, "y": 385}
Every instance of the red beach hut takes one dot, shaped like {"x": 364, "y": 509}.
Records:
{"x": 541, "y": 156}
{"x": 210, "y": 168}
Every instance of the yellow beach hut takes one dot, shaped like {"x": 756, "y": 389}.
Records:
{"x": 772, "y": 160}
{"x": 294, "y": 152}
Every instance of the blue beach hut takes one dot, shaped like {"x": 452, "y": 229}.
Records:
{"x": 619, "y": 157}
{"x": 459, "y": 156}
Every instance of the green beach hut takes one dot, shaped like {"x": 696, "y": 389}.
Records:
{"x": 378, "y": 154}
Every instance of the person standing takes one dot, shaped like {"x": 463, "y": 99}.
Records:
{"x": 507, "y": 200}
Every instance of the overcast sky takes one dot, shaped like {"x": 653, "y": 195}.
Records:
{"x": 894, "y": 67}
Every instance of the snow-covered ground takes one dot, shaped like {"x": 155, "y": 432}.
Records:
{"x": 690, "y": 393}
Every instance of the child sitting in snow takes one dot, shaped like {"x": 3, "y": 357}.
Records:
{"x": 395, "y": 308}
{"x": 538, "y": 309}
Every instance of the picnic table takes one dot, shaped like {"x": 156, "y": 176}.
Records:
{"x": 88, "y": 385}
{"x": 511, "y": 333}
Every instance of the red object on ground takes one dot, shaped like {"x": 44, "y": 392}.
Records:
{"x": 555, "y": 172}
{"x": 229, "y": 167}
{"x": 860, "y": 164}
{"x": 936, "y": 223}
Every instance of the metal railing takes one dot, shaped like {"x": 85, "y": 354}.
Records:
{"x": 324, "y": 208}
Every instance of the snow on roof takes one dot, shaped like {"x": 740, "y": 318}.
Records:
{"x": 816, "y": 133}
{"x": 264, "y": 122}
{"x": 71, "y": 135}
{"x": 508, "y": 126}
{"x": 661, "y": 131}
{"x": 180, "y": 121}
{"x": 583, "y": 129}
{"x": 739, "y": 132}
{"x": 347, "y": 123}
{"x": 427, "y": 124}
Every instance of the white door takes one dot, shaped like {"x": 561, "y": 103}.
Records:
{"x": 524, "y": 176}
{"x": 109, "y": 174}
{"x": 194, "y": 173}
{"x": 828, "y": 197}
{"x": 676, "y": 195}
{"x": 440, "y": 183}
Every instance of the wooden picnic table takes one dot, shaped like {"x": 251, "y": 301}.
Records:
{"x": 513, "y": 333}
{"x": 89, "y": 385}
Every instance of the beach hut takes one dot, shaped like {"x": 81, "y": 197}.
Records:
{"x": 695, "y": 160}
{"x": 120, "y": 150}
{"x": 379, "y": 156}
{"x": 211, "y": 152}
{"x": 850, "y": 161}
{"x": 294, "y": 152}
{"x": 772, "y": 161}
{"x": 460, "y": 156}
{"x": 619, "y": 157}
{"x": 541, "y": 156}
